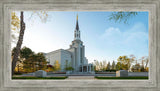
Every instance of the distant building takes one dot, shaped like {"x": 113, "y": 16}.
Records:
{"x": 75, "y": 55}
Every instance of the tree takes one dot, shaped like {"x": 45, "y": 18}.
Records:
{"x": 35, "y": 62}
{"x": 126, "y": 62}
{"x": 13, "y": 50}
{"x": 28, "y": 64}
{"x": 113, "y": 65}
{"x": 15, "y": 23}
{"x": 125, "y": 67}
{"x": 108, "y": 66}
{"x": 136, "y": 68}
{"x": 100, "y": 66}
{"x": 97, "y": 65}
{"x": 119, "y": 66}
{"x": 50, "y": 68}
{"x": 142, "y": 68}
{"x": 147, "y": 69}
{"x": 31, "y": 61}
{"x": 19, "y": 43}
{"x": 18, "y": 67}
{"x": 104, "y": 65}
{"x": 57, "y": 65}
{"x": 142, "y": 64}
{"x": 122, "y": 16}
{"x": 42, "y": 63}
{"x": 26, "y": 52}
{"x": 132, "y": 59}
{"x": 146, "y": 60}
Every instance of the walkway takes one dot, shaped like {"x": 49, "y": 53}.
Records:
{"x": 80, "y": 78}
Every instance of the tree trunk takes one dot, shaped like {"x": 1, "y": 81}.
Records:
{"x": 146, "y": 64}
{"x": 19, "y": 43}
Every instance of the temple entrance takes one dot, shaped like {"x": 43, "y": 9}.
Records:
{"x": 86, "y": 68}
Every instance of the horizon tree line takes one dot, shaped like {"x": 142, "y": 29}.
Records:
{"x": 123, "y": 63}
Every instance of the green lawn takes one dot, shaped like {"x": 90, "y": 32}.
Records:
{"x": 134, "y": 78}
{"x": 61, "y": 78}
{"x": 39, "y": 78}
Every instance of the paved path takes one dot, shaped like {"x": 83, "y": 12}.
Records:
{"x": 80, "y": 78}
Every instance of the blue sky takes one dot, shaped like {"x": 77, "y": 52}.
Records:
{"x": 103, "y": 39}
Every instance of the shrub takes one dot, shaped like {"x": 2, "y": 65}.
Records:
{"x": 18, "y": 73}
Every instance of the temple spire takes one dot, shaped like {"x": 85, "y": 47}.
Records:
{"x": 77, "y": 17}
{"x": 77, "y": 32}
{"x": 77, "y": 26}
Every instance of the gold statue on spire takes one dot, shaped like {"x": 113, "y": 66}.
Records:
{"x": 77, "y": 16}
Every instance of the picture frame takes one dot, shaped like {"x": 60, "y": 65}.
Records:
{"x": 152, "y": 6}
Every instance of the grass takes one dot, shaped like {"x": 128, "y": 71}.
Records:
{"x": 134, "y": 78}
{"x": 61, "y": 78}
{"x": 39, "y": 78}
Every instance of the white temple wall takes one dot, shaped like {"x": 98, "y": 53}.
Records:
{"x": 65, "y": 56}
{"x": 72, "y": 51}
{"x": 60, "y": 55}
{"x": 53, "y": 56}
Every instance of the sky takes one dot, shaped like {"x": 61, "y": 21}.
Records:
{"x": 104, "y": 39}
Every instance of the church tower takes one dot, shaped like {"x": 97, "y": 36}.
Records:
{"x": 78, "y": 48}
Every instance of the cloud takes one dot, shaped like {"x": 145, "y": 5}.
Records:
{"x": 131, "y": 41}
{"x": 112, "y": 36}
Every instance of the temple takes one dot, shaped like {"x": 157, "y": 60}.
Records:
{"x": 74, "y": 56}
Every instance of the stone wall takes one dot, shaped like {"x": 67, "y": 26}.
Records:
{"x": 138, "y": 74}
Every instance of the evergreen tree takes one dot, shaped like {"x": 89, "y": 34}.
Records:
{"x": 113, "y": 65}
{"x": 108, "y": 66}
